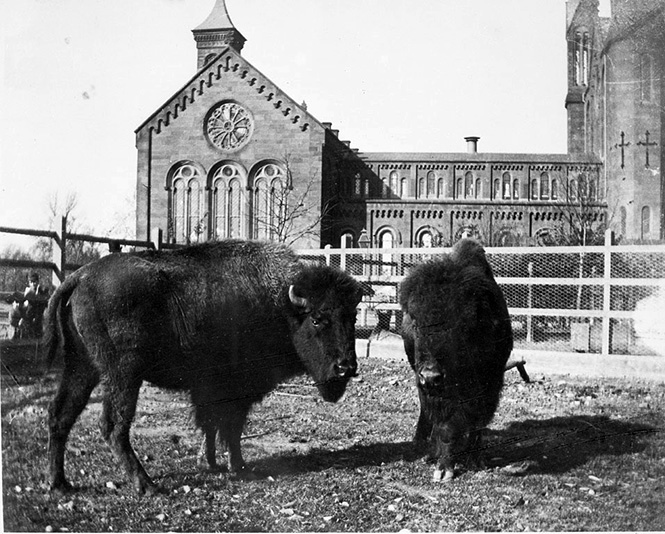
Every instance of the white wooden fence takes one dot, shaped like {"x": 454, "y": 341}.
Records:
{"x": 600, "y": 299}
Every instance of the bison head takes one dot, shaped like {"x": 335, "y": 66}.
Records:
{"x": 426, "y": 346}
{"x": 456, "y": 327}
{"x": 323, "y": 304}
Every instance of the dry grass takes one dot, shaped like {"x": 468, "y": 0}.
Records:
{"x": 565, "y": 453}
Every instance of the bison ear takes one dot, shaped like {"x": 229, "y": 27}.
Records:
{"x": 300, "y": 302}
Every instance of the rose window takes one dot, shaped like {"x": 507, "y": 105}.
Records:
{"x": 229, "y": 126}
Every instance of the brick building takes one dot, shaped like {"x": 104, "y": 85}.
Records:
{"x": 231, "y": 155}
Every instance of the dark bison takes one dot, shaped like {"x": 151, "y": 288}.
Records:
{"x": 457, "y": 336}
{"x": 226, "y": 321}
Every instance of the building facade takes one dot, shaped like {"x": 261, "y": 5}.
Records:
{"x": 615, "y": 106}
{"x": 231, "y": 155}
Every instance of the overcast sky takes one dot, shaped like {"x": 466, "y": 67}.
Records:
{"x": 79, "y": 76}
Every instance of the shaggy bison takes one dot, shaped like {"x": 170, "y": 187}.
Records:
{"x": 226, "y": 321}
{"x": 457, "y": 336}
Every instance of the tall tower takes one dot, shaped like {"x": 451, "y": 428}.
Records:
{"x": 216, "y": 33}
{"x": 581, "y": 19}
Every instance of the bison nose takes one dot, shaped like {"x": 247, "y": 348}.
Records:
{"x": 431, "y": 378}
{"x": 345, "y": 368}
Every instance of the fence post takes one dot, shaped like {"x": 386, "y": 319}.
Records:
{"x": 529, "y": 303}
{"x": 156, "y": 238}
{"x": 60, "y": 253}
{"x": 607, "y": 292}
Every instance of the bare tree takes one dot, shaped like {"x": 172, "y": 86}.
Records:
{"x": 14, "y": 278}
{"x": 582, "y": 222}
{"x": 78, "y": 252}
{"x": 286, "y": 215}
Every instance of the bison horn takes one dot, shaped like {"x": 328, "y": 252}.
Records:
{"x": 296, "y": 300}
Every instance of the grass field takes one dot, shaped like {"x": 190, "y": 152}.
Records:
{"x": 564, "y": 453}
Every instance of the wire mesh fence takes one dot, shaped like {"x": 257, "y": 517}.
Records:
{"x": 602, "y": 299}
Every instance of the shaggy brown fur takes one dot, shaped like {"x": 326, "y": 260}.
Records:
{"x": 226, "y": 321}
{"x": 458, "y": 337}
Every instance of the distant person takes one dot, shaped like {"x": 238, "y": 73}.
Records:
{"x": 35, "y": 300}
{"x": 16, "y": 318}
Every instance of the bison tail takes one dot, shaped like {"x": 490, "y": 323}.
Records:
{"x": 55, "y": 319}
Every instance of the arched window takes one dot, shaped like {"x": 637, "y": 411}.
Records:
{"x": 544, "y": 186}
{"x": 459, "y": 188}
{"x": 516, "y": 189}
{"x": 645, "y": 226}
{"x": 228, "y": 202}
{"x": 270, "y": 199}
{"x": 431, "y": 180}
{"x": 209, "y": 58}
{"x": 426, "y": 240}
{"x": 347, "y": 240}
{"x": 439, "y": 188}
{"x": 592, "y": 190}
{"x": 394, "y": 183}
{"x": 572, "y": 191}
{"x": 384, "y": 187}
{"x": 195, "y": 214}
{"x": 468, "y": 184}
{"x": 581, "y": 57}
{"x": 506, "y": 185}
{"x": 187, "y": 218}
{"x": 386, "y": 239}
{"x": 421, "y": 188}
{"x": 478, "y": 188}
{"x": 497, "y": 188}
{"x": 555, "y": 189}
{"x": 404, "y": 188}
{"x": 582, "y": 187}
{"x": 534, "y": 189}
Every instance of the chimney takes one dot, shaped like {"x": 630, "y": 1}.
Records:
{"x": 472, "y": 144}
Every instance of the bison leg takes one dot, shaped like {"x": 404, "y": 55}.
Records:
{"x": 231, "y": 426}
{"x": 474, "y": 449}
{"x": 78, "y": 381}
{"x": 446, "y": 437}
{"x": 209, "y": 450}
{"x": 424, "y": 428}
{"x": 118, "y": 409}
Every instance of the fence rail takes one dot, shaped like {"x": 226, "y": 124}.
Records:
{"x": 600, "y": 299}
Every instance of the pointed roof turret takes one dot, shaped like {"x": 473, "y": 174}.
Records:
{"x": 215, "y": 33}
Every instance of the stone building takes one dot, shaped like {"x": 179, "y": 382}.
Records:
{"x": 615, "y": 106}
{"x": 232, "y": 155}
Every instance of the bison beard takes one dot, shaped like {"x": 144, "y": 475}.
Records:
{"x": 457, "y": 337}
{"x": 225, "y": 321}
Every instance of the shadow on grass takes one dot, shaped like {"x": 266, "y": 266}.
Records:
{"x": 559, "y": 444}
{"x": 554, "y": 445}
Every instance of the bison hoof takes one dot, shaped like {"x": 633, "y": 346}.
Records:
{"x": 146, "y": 487}
{"x": 440, "y": 476}
{"x": 61, "y": 487}
{"x": 244, "y": 474}
{"x": 216, "y": 468}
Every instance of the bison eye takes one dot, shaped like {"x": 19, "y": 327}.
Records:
{"x": 319, "y": 321}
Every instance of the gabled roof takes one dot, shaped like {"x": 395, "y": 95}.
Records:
{"x": 229, "y": 62}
